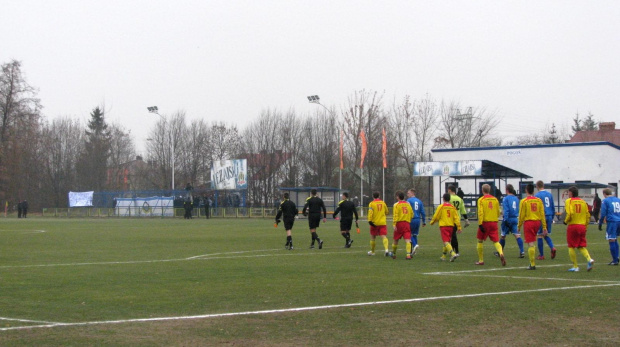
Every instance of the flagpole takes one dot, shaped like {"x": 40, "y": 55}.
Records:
{"x": 383, "y": 183}
{"x": 362, "y": 191}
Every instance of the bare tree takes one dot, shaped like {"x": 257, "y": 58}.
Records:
{"x": 62, "y": 143}
{"x": 122, "y": 152}
{"x": 473, "y": 128}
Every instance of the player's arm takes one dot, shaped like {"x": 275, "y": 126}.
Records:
{"x": 436, "y": 215}
{"x": 337, "y": 210}
{"x": 279, "y": 214}
{"x": 587, "y": 221}
{"x": 396, "y": 215}
{"x": 521, "y": 214}
{"x": 422, "y": 214}
{"x": 567, "y": 207}
{"x": 324, "y": 209}
{"x": 480, "y": 211}
{"x": 355, "y": 211}
{"x": 457, "y": 221}
{"x": 541, "y": 214}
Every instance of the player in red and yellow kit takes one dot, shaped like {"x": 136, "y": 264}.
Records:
{"x": 448, "y": 218}
{"x": 402, "y": 224}
{"x": 488, "y": 215}
{"x": 577, "y": 219}
{"x": 377, "y": 211}
{"x": 531, "y": 217}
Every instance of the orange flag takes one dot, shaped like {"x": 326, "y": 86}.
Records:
{"x": 341, "y": 150}
{"x": 364, "y": 148}
{"x": 384, "y": 149}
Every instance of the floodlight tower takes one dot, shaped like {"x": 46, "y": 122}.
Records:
{"x": 155, "y": 110}
{"x": 314, "y": 99}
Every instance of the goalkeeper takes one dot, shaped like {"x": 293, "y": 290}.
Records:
{"x": 459, "y": 205}
{"x": 288, "y": 211}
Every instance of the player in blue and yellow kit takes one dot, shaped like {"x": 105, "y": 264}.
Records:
{"x": 577, "y": 219}
{"x": 547, "y": 199}
{"x": 419, "y": 217}
{"x": 510, "y": 206}
{"x": 610, "y": 213}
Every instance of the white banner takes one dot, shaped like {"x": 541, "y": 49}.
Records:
{"x": 229, "y": 174}
{"x": 80, "y": 199}
{"x": 156, "y": 206}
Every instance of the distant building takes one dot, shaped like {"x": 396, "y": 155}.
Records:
{"x": 607, "y": 132}
{"x": 127, "y": 176}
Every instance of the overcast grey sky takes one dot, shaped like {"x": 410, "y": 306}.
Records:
{"x": 535, "y": 62}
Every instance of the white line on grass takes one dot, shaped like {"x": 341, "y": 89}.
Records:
{"x": 238, "y": 252}
{"x": 27, "y": 320}
{"x": 284, "y": 253}
{"x": 485, "y": 270}
{"x": 541, "y": 278}
{"x": 300, "y": 309}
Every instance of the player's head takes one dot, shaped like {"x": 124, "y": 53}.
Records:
{"x": 410, "y": 192}
{"x": 529, "y": 188}
{"x": 285, "y": 195}
{"x": 345, "y": 195}
{"x": 400, "y": 195}
{"x": 375, "y": 195}
{"x": 607, "y": 192}
{"x": 486, "y": 189}
{"x": 313, "y": 192}
{"x": 452, "y": 189}
{"x": 573, "y": 192}
{"x": 446, "y": 197}
{"x": 540, "y": 185}
{"x": 510, "y": 189}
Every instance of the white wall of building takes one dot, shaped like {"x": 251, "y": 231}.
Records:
{"x": 598, "y": 162}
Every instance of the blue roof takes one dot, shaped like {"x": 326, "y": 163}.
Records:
{"x": 575, "y": 144}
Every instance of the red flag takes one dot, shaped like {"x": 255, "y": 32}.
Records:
{"x": 341, "y": 150}
{"x": 384, "y": 149}
{"x": 364, "y": 148}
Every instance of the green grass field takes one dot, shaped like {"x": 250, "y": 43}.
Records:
{"x": 130, "y": 282}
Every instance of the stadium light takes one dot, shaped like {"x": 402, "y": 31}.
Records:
{"x": 155, "y": 110}
{"x": 314, "y": 99}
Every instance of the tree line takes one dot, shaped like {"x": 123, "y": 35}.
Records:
{"x": 41, "y": 159}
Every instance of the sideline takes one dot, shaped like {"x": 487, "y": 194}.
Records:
{"x": 299, "y": 309}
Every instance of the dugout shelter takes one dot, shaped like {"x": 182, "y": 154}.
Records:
{"x": 588, "y": 165}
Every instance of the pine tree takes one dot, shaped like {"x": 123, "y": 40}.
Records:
{"x": 92, "y": 167}
{"x": 577, "y": 126}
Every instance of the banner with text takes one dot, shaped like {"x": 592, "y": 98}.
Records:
{"x": 145, "y": 207}
{"x": 229, "y": 174}
{"x": 80, "y": 199}
{"x": 448, "y": 168}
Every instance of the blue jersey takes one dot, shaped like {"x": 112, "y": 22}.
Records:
{"x": 417, "y": 207}
{"x": 510, "y": 205}
{"x": 547, "y": 200}
{"x": 610, "y": 210}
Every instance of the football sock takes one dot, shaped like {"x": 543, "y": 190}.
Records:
{"x": 612, "y": 250}
{"x": 549, "y": 241}
{"x": 449, "y": 249}
{"x": 386, "y": 243}
{"x": 345, "y": 236}
{"x": 617, "y": 250}
{"x": 540, "y": 247}
{"x": 502, "y": 242}
{"x": 480, "y": 249}
{"x": 573, "y": 256}
{"x": 414, "y": 240}
{"x": 520, "y": 243}
{"x": 394, "y": 248}
{"x": 373, "y": 243}
{"x": 498, "y": 247}
{"x": 531, "y": 253}
{"x": 408, "y": 247}
{"x": 348, "y": 236}
{"x": 584, "y": 252}
{"x": 289, "y": 239}
{"x": 445, "y": 250}
{"x": 314, "y": 237}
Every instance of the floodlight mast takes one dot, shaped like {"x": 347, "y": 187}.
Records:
{"x": 314, "y": 99}
{"x": 155, "y": 110}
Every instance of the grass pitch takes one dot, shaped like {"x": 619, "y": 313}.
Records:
{"x": 174, "y": 282}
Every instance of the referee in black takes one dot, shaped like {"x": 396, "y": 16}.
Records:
{"x": 288, "y": 211}
{"x": 347, "y": 209}
{"x": 312, "y": 209}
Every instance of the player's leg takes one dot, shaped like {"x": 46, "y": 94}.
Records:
{"x": 454, "y": 241}
{"x": 289, "y": 239}
{"x": 373, "y": 242}
{"x": 612, "y": 236}
{"x": 415, "y": 229}
{"x": 548, "y": 237}
{"x": 480, "y": 247}
{"x": 407, "y": 236}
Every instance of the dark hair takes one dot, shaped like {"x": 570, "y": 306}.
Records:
{"x": 375, "y": 195}
{"x": 574, "y": 190}
{"x": 313, "y": 191}
{"x": 286, "y": 195}
{"x": 446, "y": 197}
{"x": 529, "y": 188}
{"x": 400, "y": 195}
{"x": 345, "y": 194}
{"x": 510, "y": 189}
{"x": 452, "y": 188}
